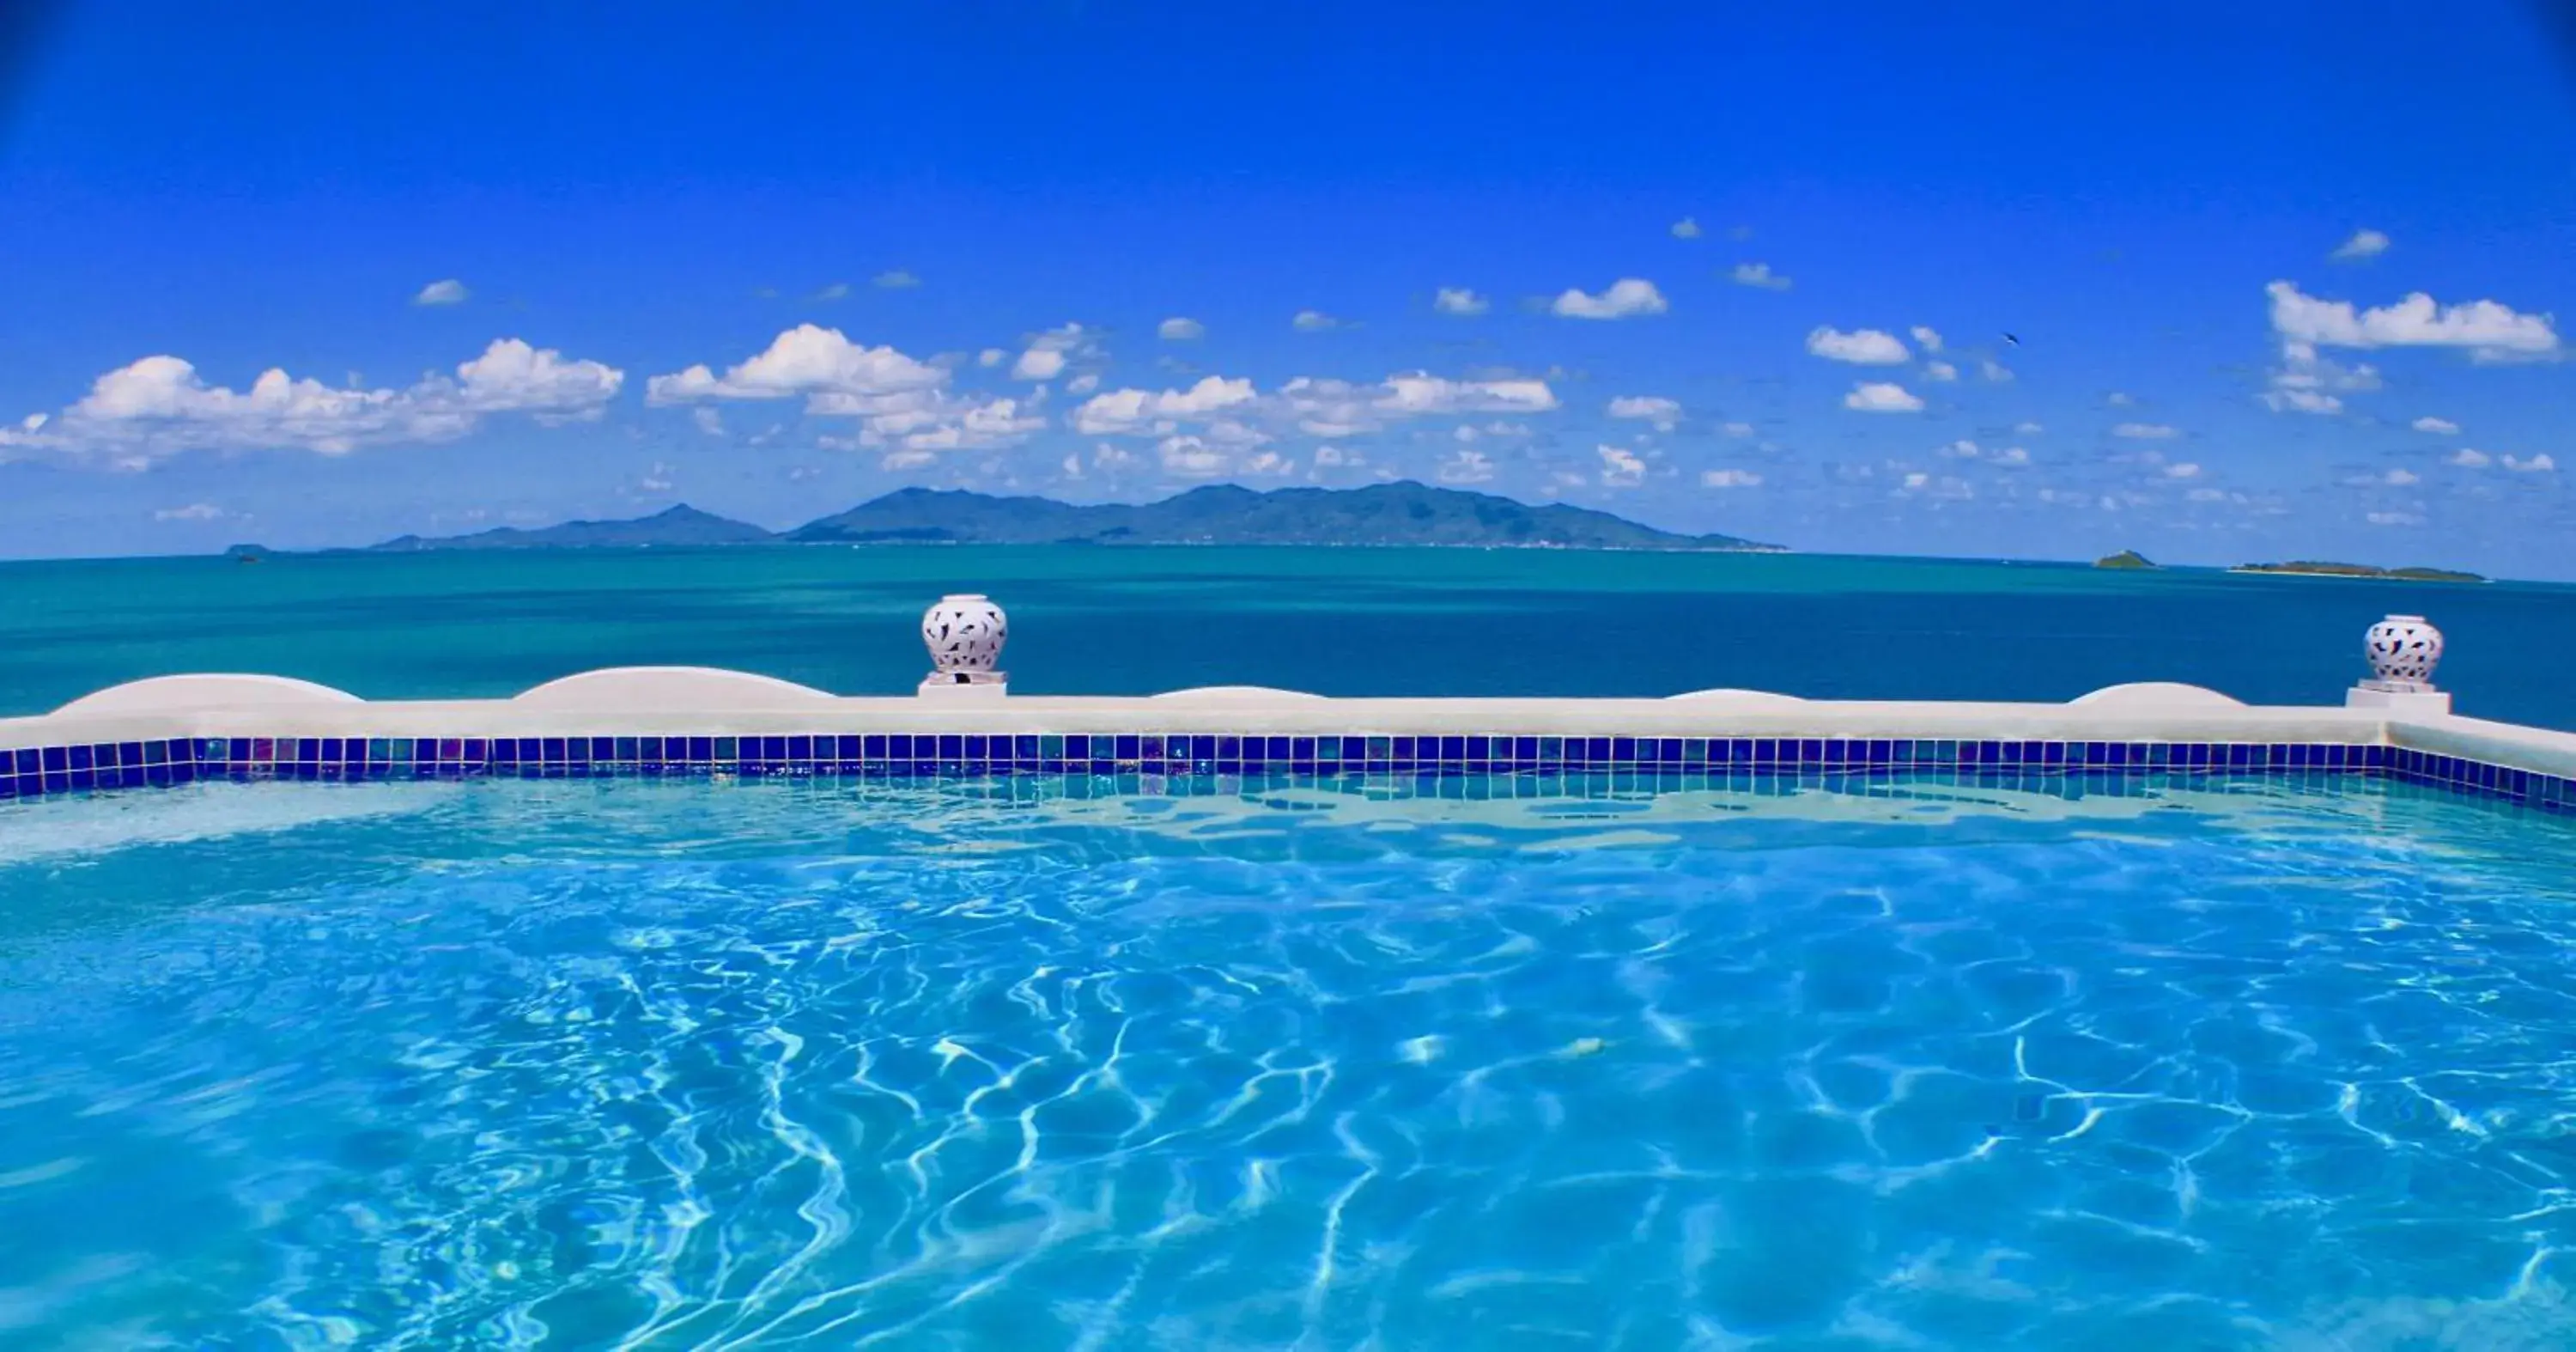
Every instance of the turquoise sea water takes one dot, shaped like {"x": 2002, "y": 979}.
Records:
{"x": 598, "y": 1064}
{"x": 1335, "y": 621}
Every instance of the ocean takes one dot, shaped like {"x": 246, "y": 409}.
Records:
{"x": 1331, "y": 621}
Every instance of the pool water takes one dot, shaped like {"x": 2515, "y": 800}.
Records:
{"x": 2215, "y": 1065}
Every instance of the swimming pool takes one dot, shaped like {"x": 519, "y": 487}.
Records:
{"x": 2199, "y": 1062}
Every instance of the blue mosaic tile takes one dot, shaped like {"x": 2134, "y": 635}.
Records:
{"x": 1447, "y": 763}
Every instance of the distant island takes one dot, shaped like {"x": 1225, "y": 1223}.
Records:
{"x": 2313, "y": 569}
{"x": 2126, "y": 558}
{"x": 1221, "y": 514}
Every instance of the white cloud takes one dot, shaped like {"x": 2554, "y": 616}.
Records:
{"x": 2028, "y": 429}
{"x": 2136, "y": 431}
{"x": 1882, "y": 397}
{"x": 2438, "y": 426}
{"x": 818, "y": 363}
{"x": 2400, "y": 478}
{"x": 2305, "y": 382}
{"x": 656, "y": 480}
{"x": 2393, "y": 518}
{"x": 1082, "y": 384}
{"x": 1191, "y": 458}
{"x": 1313, "y": 321}
{"x": 1138, "y": 410}
{"x": 1940, "y": 370}
{"x": 1466, "y": 467}
{"x": 195, "y": 511}
{"x": 708, "y": 420}
{"x": 1994, "y": 370}
{"x": 1180, "y": 329}
{"x": 1458, "y": 300}
{"x": 2119, "y": 399}
{"x": 1730, "y": 478}
{"x": 1686, "y": 228}
{"x": 1626, "y": 297}
{"x": 1759, "y": 275}
{"x": 1334, "y": 457}
{"x": 2467, "y": 458}
{"x": 895, "y": 280}
{"x": 991, "y": 356}
{"x": 447, "y": 292}
{"x": 1926, "y": 337}
{"x": 1270, "y": 462}
{"x": 2538, "y": 464}
{"x": 1620, "y": 468}
{"x": 2011, "y": 455}
{"x": 2364, "y": 243}
{"x": 1861, "y": 347}
{"x": 1738, "y": 429}
{"x": 2302, "y": 401}
{"x": 2184, "y": 470}
{"x": 1049, "y": 351}
{"x": 900, "y": 402}
{"x": 1112, "y": 458}
{"x": 1663, "y": 413}
{"x": 1962, "y": 449}
{"x": 2416, "y": 321}
{"x": 158, "y": 407}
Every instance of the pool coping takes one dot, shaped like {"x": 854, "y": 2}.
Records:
{"x": 658, "y": 721}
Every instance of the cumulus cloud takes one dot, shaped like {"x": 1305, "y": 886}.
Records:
{"x": 1663, "y": 413}
{"x": 1082, "y": 384}
{"x": 2467, "y": 458}
{"x": 2439, "y": 426}
{"x": 1179, "y": 329}
{"x": 2305, "y": 382}
{"x": 1466, "y": 467}
{"x": 1737, "y": 429}
{"x": 2364, "y": 244}
{"x": 895, "y": 279}
{"x": 1940, "y": 370}
{"x": 2415, "y": 321}
{"x": 1994, "y": 370}
{"x": 195, "y": 511}
{"x": 821, "y": 365}
{"x": 708, "y": 420}
{"x": 1134, "y": 410}
{"x": 1861, "y": 347}
{"x": 900, "y": 402}
{"x": 1313, "y": 321}
{"x": 1729, "y": 478}
{"x": 1048, "y": 352}
{"x": 447, "y": 292}
{"x": 1686, "y": 228}
{"x": 1188, "y": 457}
{"x": 2183, "y": 470}
{"x": 1878, "y": 396}
{"x": 1626, "y": 298}
{"x": 2137, "y": 431}
{"x": 1759, "y": 275}
{"x": 1620, "y": 467}
{"x": 1926, "y": 337}
{"x": 2538, "y": 464}
{"x": 2400, "y": 477}
{"x": 1458, "y": 300}
{"x": 991, "y": 356}
{"x": 158, "y": 407}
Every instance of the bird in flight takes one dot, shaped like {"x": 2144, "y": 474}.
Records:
{"x": 2010, "y": 341}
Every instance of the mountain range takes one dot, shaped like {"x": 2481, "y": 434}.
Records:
{"x": 1222, "y": 514}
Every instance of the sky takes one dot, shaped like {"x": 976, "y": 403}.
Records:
{"x": 2219, "y": 283}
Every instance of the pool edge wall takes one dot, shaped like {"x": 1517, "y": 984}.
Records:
{"x": 684, "y": 721}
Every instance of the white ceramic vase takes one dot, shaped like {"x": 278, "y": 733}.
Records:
{"x": 964, "y": 633}
{"x": 2403, "y": 650}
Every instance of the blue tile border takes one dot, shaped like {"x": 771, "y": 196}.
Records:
{"x": 44, "y": 771}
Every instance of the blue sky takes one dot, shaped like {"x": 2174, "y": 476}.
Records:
{"x": 1743, "y": 269}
